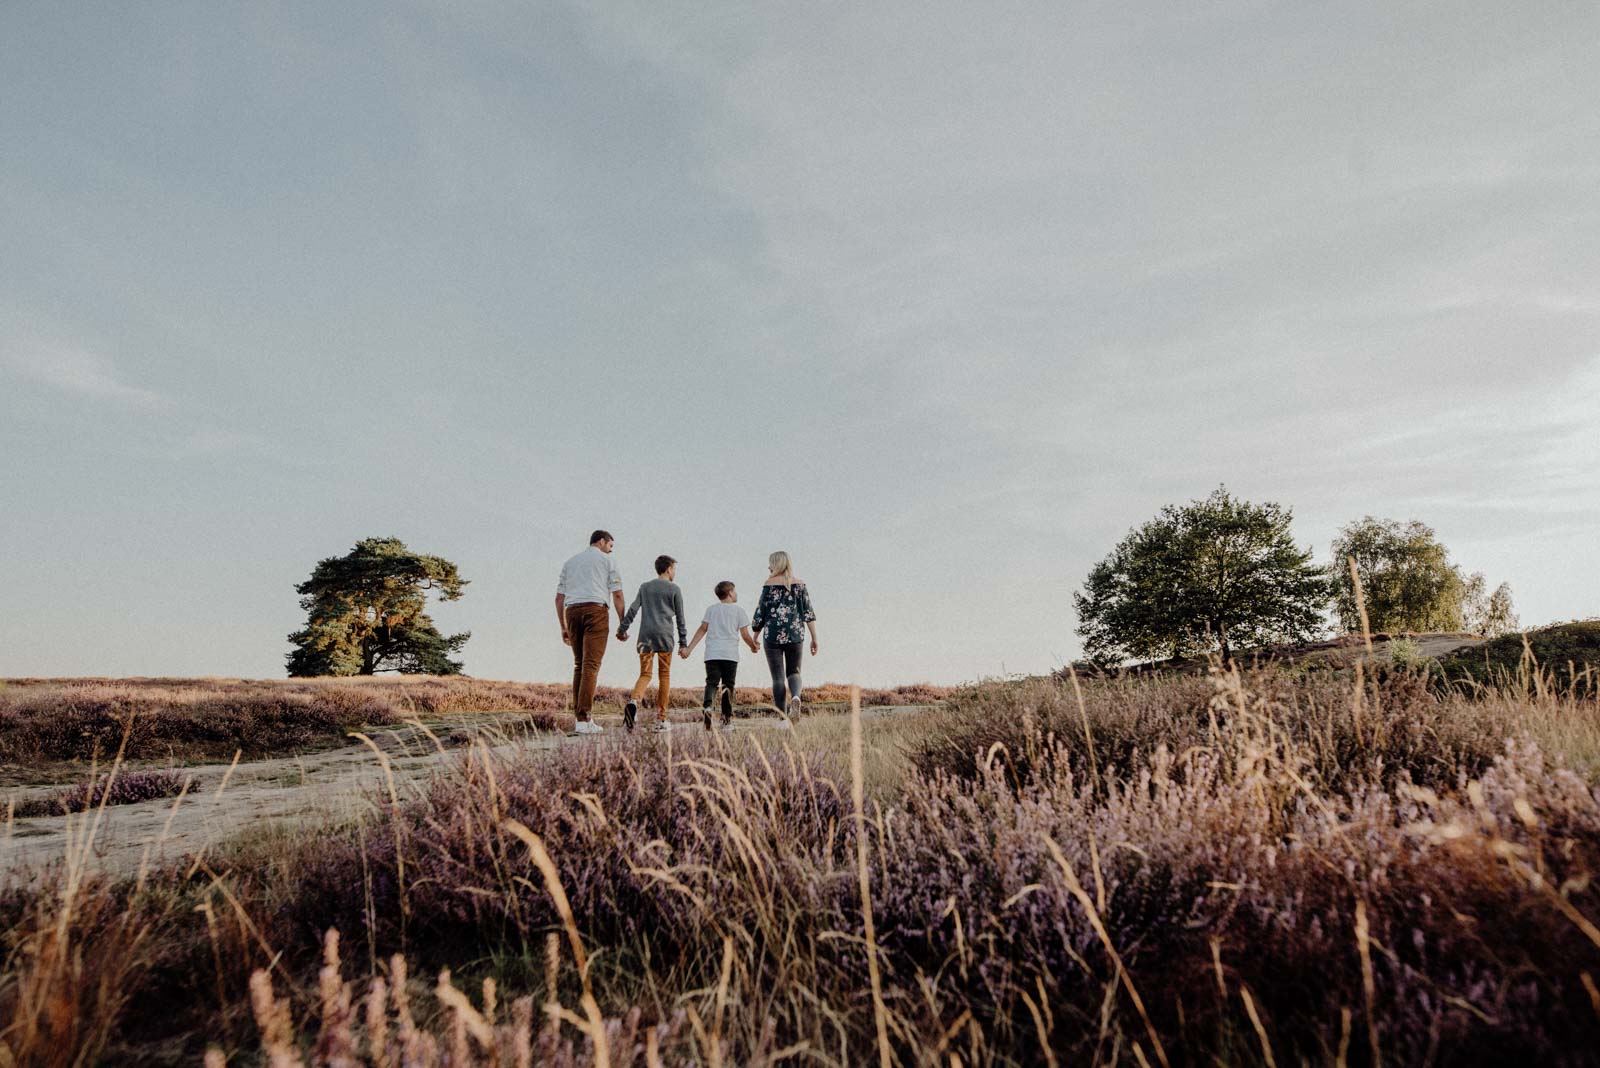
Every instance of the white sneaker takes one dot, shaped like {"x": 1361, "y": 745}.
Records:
{"x": 588, "y": 726}
{"x": 662, "y": 727}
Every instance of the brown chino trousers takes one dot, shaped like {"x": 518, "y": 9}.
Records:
{"x": 663, "y": 663}
{"x": 590, "y": 626}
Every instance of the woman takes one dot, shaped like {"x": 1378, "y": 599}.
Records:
{"x": 783, "y": 615}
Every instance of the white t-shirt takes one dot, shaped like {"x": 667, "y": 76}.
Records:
{"x": 723, "y": 622}
{"x": 589, "y": 578}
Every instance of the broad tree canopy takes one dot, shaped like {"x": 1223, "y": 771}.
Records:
{"x": 365, "y": 613}
{"x": 1217, "y": 574}
{"x": 1409, "y": 583}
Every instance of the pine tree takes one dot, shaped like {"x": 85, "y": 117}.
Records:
{"x": 365, "y": 613}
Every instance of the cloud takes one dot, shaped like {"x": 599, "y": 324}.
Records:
{"x": 1167, "y": 248}
{"x": 75, "y": 371}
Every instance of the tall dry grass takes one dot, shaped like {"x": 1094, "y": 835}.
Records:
{"x": 1252, "y": 868}
{"x": 1392, "y": 724}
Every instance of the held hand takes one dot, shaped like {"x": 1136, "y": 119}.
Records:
{"x": 684, "y": 652}
{"x": 622, "y": 635}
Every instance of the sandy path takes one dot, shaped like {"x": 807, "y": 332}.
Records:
{"x": 309, "y": 788}
{"x": 1439, "y": 645}
{"x": 333, "y": 782}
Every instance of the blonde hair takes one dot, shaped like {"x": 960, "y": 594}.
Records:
{"x": 778, "y": 563}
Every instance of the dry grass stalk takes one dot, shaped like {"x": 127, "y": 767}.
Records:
{"x": 1075, "y": 888}
{"x": 227, "y": 776}
{"x": 1368, "y": 987}
{"x": 594, "y": 1022}
{"x": 397, "y": 826}
{"x": 1261, "y": 1031}
{"x": 858, "y": 802}
{"x": 274, "y": 1023}
{"x": 64, "y": 1006}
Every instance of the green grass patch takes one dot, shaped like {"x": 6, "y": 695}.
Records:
{"x": 1565, "y": 656}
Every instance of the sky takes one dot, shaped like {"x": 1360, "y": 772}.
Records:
{"x": 941, "y": 298}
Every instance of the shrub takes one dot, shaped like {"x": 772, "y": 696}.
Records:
{"x": 1405, "y": 653}
{"x": 77, "y": 722}
{"x": 127, "y": 788}
{"x": 1565, "y": 656}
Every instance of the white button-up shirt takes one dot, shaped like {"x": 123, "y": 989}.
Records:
{"x": 589, "y": 578}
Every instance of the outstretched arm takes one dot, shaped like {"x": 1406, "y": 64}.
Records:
{"x": 677, "y": 610}
{"x": 749, "y": 639}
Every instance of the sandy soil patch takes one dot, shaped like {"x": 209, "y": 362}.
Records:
{"x": 225, "y": 800}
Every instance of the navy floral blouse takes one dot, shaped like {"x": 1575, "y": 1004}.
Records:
{"x": 785, "y": 611}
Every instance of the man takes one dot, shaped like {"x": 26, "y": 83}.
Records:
{"x": 586, "y": 581}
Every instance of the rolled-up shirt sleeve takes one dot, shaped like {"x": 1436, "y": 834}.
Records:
{"x": 614, "y": 579}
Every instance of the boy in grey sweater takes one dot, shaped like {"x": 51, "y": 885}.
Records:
{"x": 661, "y": 602}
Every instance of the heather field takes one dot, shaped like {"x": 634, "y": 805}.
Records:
{"x": 198, "y": 719}
{"x": 1348, "y": 866}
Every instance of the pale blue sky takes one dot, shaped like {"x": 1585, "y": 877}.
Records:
{"x": 942, "y": 298}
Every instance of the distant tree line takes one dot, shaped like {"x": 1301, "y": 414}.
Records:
{"x": 1222, "y": 574}
{"x": 1214, "y": 575}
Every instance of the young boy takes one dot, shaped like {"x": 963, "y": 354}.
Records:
{"x": 724, "y": 626}
{"x": 662, "y": 603}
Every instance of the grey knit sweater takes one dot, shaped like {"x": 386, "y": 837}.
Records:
{"x": 661, "y": 602}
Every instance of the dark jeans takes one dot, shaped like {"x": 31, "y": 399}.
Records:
{"x": 590, "y": 626}
{"x": 784, "y": 663}
{"x": 720, "y": 673}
